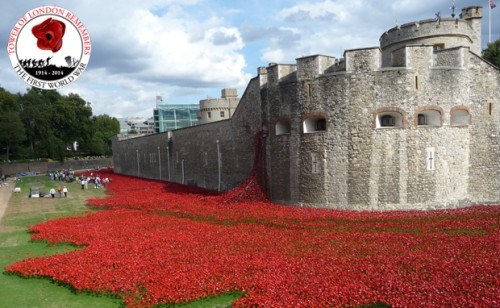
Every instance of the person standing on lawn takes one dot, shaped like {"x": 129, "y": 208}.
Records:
{"x": 65, "y": 191}
{"x": 52, "y": 192}
{"x": 59, "y": 191}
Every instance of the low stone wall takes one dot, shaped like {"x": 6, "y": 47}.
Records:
{"x": 12, "y": 169}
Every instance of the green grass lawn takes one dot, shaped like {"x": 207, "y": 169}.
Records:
{"x": 15, "y": 245}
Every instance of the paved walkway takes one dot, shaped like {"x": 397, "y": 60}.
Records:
{"x": 5, "y": 194}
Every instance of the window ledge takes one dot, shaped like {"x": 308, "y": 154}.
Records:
{"x": 428, "y": 126}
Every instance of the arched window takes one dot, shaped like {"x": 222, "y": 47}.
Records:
{"x": 282, "y": 127}
{"x": 460, "y": 117}
{"x": 314, "y": 124}
{"x": 429, "y": 117}
{"x": 389, "y": 119}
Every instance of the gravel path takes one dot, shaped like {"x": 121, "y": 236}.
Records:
{"x": 5, "y": 194}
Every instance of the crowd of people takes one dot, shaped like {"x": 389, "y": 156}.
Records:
{"x": 66, "y": 175}
{"x": 94, "y": 180}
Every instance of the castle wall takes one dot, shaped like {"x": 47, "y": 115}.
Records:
{"x": 191, "y": 155}
{"x": 485, "y": 146}
{"x": 404, "y": 126}
{"x": 356, "y": 165}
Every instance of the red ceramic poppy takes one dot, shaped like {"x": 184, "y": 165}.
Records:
{"x": 49, "y": 34}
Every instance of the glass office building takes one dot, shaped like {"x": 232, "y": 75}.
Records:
{"x": 170, "y": 117}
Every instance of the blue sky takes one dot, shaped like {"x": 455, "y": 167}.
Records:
{"x": 188, "y": 50}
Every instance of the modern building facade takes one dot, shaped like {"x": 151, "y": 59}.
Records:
{"x": 171, "y": 117}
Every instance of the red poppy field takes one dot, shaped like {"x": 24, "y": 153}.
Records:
{"x": 156, "y": 243}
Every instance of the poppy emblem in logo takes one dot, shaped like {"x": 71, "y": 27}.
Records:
{"x": 49, "y": 34}
{"x": 49, "y": 47}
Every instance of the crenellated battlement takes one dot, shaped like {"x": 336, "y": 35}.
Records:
{"x": 443, "y": 33}
{"x": 312, "y": 66}
{"x": 425, "y": 29}
{"x": 277, "y": 73}
{"x": 472, "y": 12}
{"x": 362, "y": 60}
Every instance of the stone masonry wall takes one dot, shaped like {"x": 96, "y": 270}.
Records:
{"x": 190, "y": 155}
{"x": 354, "y": 164}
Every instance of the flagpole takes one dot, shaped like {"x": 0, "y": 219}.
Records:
{"x": 489, "y": 21}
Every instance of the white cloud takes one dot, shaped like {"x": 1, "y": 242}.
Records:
{"x": 408, "y": 7}
{"x": 320, "y": 11}
{"x": 187, "y": 50}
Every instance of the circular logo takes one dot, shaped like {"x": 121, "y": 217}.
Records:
{"x": 49, "y": 47}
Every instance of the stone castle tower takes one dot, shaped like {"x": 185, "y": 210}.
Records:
{"x": 411, "y": 124}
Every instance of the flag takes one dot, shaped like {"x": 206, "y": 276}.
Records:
{"x": 492, "y": 4}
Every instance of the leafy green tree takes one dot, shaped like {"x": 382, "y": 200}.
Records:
{"x": 8, "y": 101}
{"x": 71, "y": 120}
{"x": 105, "y": 128}
{"x": 36, "y": 114}
{"x": 45, "y": 124}
{"x": 12, "y": 132}
{"x": 97, "y": 146}
{"x": 492, "y": 53}
{"x": 54, "y": 121}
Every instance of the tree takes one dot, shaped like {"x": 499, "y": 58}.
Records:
{"x": 54, "y": 121}
{"x": 71, "y": 120}
{"x": 12, "y": 132}
{"x": 105, "y": 128}
{"x": 492, "y": 53}
{"x": 36, "y": 114}
{"x": 45, "y": 124}
{"x": 97, "y": 146}
{"x": 8, "y": 101}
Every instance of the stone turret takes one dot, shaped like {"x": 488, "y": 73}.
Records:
{"x": 474, "y": 15}
{"x": 445, "y": 33}
{"x": 216, "y": 109}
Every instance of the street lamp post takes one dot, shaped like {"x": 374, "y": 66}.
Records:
{"x": 218, "y": 162}
{"x": 182, "y": 167}
{"x": 168, "y": 162}
{"x": 159, "y": 161}
{"x": 138, "y": 167}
